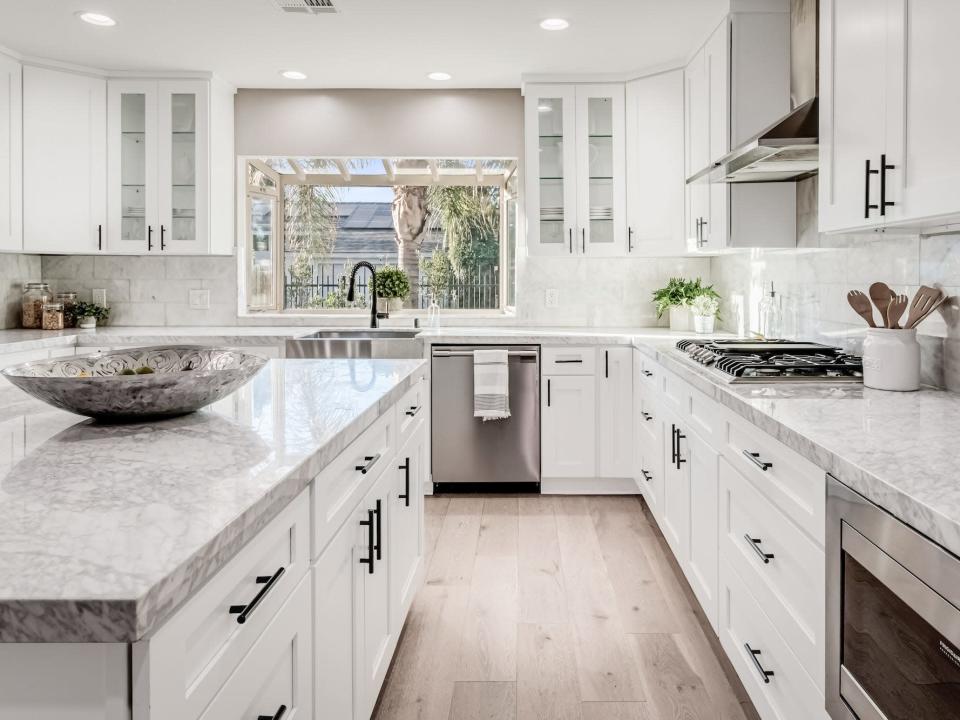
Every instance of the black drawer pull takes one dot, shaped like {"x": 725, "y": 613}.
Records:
{"x": 647, "y": 416}
{"x": 371, "y": 461}
{"x": 268, "y": 581}
{"x": 673, "y": 443}
{"x": 884, "y": 166}
{"x": 548, "y": 392}
{"x": 648, "y": 373}
{"x": 755, "y": 459}
{"x": 646, "y": 475}
{"x": 680, "y": 436}
{"x": 369, "y": 559}
{"x": 414, "y": 409}
{"x": 755, "y": 544}
{"x": 163, "y": 242}
{"x": 567, "y": 362}
{"x": 606, "y": 363}
{"x": 281, "y": 711}
{"x": 377, "y": 546}
{"x": 867, "y": 206}
{"x": 405, "y": 495}
{"x": 765, "y": 675}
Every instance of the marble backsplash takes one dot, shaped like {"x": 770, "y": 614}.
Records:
{"x": 15, "y": 270}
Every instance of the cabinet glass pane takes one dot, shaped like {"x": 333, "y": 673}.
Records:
{"x": 133, "y": 166}
{"x": 262, "y": 211}
{"x": 600, "y": 138}
{"x": 183, "y": 165}
{"x": 550, "y": 115}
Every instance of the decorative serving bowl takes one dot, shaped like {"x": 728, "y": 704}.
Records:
{"x": 137, "y": 383}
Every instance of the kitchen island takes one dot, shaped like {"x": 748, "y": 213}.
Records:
{"x": 114, "y": 537}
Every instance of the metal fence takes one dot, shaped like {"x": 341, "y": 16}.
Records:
{"x": 476, "y": 289}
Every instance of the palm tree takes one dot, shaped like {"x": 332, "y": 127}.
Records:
{"x": 309, "y": 225}
{"x": 410, "y": 215}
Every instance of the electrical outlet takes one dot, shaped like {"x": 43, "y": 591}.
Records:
{"x": 99, "y": 296}
{"x": 200, "y": 299}
{"x": 553, "y": 297}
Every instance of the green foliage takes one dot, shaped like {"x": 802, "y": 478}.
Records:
{"x": 85, "y": 309}
{"x": 309, "y": 225}
{"x": 470, "y": 219}
{"x": 438, "y": 271}
{"x": 392, "y": 282}
{"x": 679, "y": 292}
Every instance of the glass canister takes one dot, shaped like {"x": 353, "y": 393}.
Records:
{"x": 52, "y": 316}
{"x": 69, "y": 299}
{"x": 35, "y": 294}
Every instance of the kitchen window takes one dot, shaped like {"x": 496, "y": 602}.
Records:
{"x": 450, "y": 224}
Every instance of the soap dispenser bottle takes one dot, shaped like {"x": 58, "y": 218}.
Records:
{"x": 771, "y": 320}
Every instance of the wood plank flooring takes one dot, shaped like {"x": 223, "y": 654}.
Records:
{"x": 554, "y": 608}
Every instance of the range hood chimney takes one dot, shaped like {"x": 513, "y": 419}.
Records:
{"x": 789, "y": 149}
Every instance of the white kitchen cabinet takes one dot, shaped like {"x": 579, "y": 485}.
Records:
{"x": 648, "y": 429}
{"x": 615, "y": 439}
{"x": 11, "y": 154}
{"x": 64, "y": 161}
{"x": 568, "y": 426}
{"x": 576, "y": 189}
{"x": 700, "y": 470}
{"x": 655, "y": 165}
{"x": 406, "y": 520}
{"x": 675, "y": 508}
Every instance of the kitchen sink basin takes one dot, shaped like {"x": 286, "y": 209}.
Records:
{"x": 357, "y": 343}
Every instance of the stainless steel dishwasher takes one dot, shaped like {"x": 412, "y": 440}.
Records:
{"x": 469, "y": 454}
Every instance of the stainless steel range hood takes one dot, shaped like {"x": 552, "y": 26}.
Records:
{"x": 789, "y": 149}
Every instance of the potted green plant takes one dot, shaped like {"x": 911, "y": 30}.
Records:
{"x": 393, "y": 285}
{"x": 86, "y": 314}
{"x": 705, "y": 310}
{"x": 676, "y": 298}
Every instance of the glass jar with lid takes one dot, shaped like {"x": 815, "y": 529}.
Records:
{"x": 69, "y": 299}
{"x": 35, "y": 294}
{"x": 52, "y": 316}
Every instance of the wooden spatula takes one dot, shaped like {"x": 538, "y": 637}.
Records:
{"x": 924, "y": 302}
{"x": 862, "y": 306}
{"x": 895, "y": 311}
{"x": 881, "y": 295}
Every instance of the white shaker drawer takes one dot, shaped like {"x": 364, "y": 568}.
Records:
{"x": 274, "y": 678}
{"x": 194, "y": 652}
{"x": 676, "y": 393}
{"x": 754, "y": 648}
{"x": 649, "y": 422}
{"x": 412, "y": 409}
{"x": 791, "y": 482}
{"x": 338, "y": 489}
{"x": 568, "y": 360}
{"x": 782, "y": 567}
{"x": 649, "y": 372}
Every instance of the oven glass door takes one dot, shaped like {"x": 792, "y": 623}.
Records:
{"x": 899, "y": 654}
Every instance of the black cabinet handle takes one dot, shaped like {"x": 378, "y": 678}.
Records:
{"x": 583, "y": 240}
{"x": 570, "y": 231}
{"x": 629, "y": 239}
{"x": 378, "y": 545}
{"x": 567, "y": 362}
{"x": 646, "y": 475}
{"x": 755, "y": 544}
{"x": 163, "y": 243}
{"x": 648, "y": 373}
{"x": 548, "y": 392}
{"x": 369, "y": 559}
{"x": 149, "y": 237}
{"x": 680, "y": 436}
{"x": 755, "y": 459}
{"x": 606, "y": 363}
{"x": 765, "y": 675}
{"x": 884, "y": 203}
{"x": 646, "y": 416}
{"x": 673, "y": 443}
{"x": 99, "y": 237}
{"x": 281, "y": 711}
{"x": 268, "y": 581}
{"x": 414, "y": 409}
{"x": 405, "y": 495}
{"x": 867, "y": 207}
{"x": 371, "y": 461}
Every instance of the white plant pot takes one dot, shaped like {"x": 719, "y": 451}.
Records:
{"x": 680, "y": 318}
{"x": 394, "y": 304}
{"x": 87, "y": 323}
{"x": 891, "y": 359}
{"x": 703, "y": 324}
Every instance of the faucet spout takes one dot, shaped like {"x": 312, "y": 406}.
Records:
{"x": 374, "y": 321}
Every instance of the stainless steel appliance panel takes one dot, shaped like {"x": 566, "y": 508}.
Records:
{"x": 464, "y": 448}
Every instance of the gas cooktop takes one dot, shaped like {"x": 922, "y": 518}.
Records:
{"x": 764, "y": 361}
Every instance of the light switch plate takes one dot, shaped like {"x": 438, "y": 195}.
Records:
{"x": 552, "y": 297}
{"x": 99, "y": 296}
{"x": 200, "y": 299}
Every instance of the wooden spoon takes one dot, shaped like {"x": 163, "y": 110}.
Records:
{"x": 881, "y": 295}
{"x": 895, "y": 311}
{"x": 862, "y": 306}
{"x": 925, "y": 302}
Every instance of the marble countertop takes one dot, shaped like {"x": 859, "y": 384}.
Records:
{"x": 105, "y": 530}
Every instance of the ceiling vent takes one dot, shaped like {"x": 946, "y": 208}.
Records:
{"x": 306, "y": 7}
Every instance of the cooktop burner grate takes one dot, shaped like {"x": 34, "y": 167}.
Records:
{"x": 774, "y": 360}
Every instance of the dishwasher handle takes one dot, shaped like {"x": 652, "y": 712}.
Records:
{"x": 468, "y": 353}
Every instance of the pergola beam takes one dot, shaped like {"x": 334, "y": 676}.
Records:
{"x": 509, "y": 171}
{"x": 434, "y": 170}
{"x": 478, "y": 163}
{"x": 389, "y": 170}
{"x": 297, "y": 170}
{"x": 344, "y": 170}
{"x": 335, "y": 179}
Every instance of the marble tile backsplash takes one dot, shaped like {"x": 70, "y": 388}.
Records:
{"x": 15, "y": 270}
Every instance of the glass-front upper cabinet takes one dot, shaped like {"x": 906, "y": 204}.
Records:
{"x": 157, "y": 180}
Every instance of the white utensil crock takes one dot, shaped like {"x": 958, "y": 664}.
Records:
{"x": 703, "y": 324}
{"x": 680, "y": 318}
{"x": 891, "y": 359}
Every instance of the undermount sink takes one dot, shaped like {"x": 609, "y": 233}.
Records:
{"x": 357, "y": 343}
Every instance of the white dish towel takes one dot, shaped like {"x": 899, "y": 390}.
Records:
{"x": 491, "y": 384}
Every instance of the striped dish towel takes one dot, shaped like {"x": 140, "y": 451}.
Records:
{"x": 491, "y": 385}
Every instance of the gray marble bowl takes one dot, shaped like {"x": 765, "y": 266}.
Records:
{"x": 185, "y": 378}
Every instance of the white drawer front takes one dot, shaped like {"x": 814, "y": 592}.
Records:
{"x": 568, "y": 360}
{"x": 194, "y": 652}
{"x": 337, "y": 490}
{"x": 791, "y": 482}
{"x": 790, "y": 584}
{"x": 789, "y": 694}
{"x": 649, "y": 422}
{"x": 277, "y": 671}
{"x": 707, "y": 417}
{"x": 412, "y": 409}
{"x": 676, "y": 393}
{"x": 650, "y": 373}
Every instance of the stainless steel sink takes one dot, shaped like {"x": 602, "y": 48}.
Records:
{"x": 357, "y": 343}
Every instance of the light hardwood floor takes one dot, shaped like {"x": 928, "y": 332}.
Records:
{"x": 554, "y": 608}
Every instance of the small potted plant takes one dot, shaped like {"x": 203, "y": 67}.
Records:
{"x": 705, "y": 309}
{"x": 676, "y": 297}
{"x": 392, "y": 285}
{"x": 87, "y": 314}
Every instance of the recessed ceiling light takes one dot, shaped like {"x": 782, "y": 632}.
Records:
{"x": 439, "y": 76}
{"x": 544, "y": 108}
{"x": 554, "y": 24}
{"x": 96, "y": 19}
{"x": 294, "y": 75}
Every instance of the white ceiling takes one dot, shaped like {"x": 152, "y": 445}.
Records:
{"x": 369, "y": 43}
